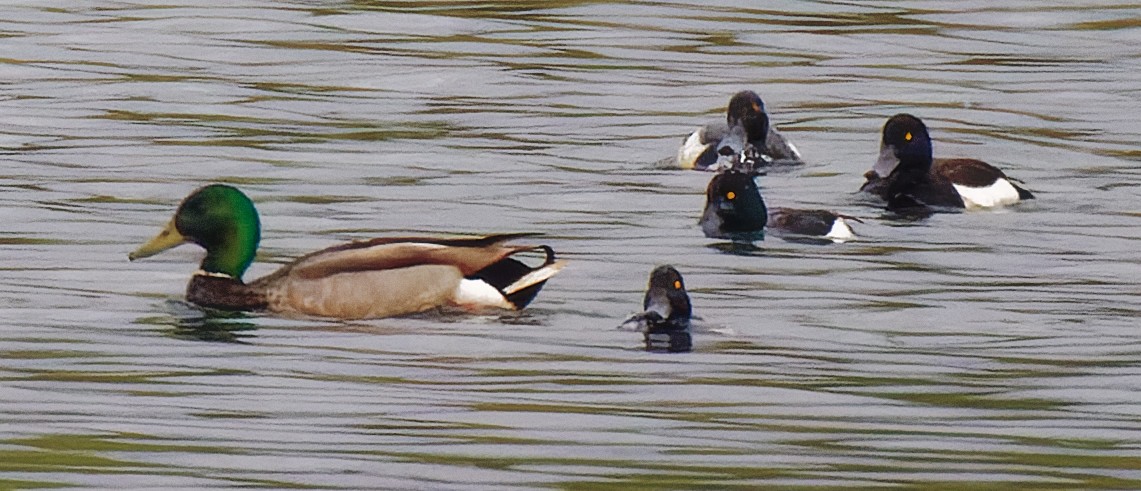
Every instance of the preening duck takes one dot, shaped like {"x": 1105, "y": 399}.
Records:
{"x": 746, "y": 122}
{"x": 667, "y": 312}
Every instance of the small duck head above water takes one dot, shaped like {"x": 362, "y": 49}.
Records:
{"x": 667, "y": 312}
{"x": 666, "y": 300}
{"x": 747, "y": 111}
{"x": 734, "y": 209}
{"x": 748, "y": 124}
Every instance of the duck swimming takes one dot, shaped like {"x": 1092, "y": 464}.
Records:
{"x": 665, "y": 323}
{"x": 746, "y": 122}
{"x": 907, "y": 176}
{"x": 374, "y": 278}
{"x": 734, "y": 210}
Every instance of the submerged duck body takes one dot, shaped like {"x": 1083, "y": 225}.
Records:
{"x": 746, "y": 122}
{"x": 363, "y": 279}
{"x": 906, "y": 175}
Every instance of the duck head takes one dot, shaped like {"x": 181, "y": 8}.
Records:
{"x": 747, "y": 110}
{"x": 666, "y": 297}
{"x": 905, "y": 145}
{"x": 733, "y": 208}
{"x": 748, "y": 123}
{"x": 219, "y": 218}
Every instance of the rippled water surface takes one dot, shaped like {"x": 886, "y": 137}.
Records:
{"x": 996, "y": 348}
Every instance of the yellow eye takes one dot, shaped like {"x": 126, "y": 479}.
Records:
{"x": 677, "y": 284}
{"x": 730, "y": 195}
{"x": 907, "y": 136}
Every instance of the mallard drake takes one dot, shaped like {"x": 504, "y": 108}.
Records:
{"x": 667, "y": 312}
{"x": 745, "y": 122}
{"x": 374, "y": 278}
{"x": 906, "y": 175}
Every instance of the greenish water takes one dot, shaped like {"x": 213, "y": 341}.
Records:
{"x": 990, "y": 350}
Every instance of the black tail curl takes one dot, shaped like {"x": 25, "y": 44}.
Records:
{"x": 507, "y": 271}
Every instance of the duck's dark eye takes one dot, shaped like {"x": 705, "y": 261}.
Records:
{"x": 730, "y": 195}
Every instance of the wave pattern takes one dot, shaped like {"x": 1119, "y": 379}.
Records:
{"x": 991, "y": 348}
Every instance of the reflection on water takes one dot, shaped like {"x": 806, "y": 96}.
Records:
{"x": 738, "y": 248}
{"x": 992, "y": 348}
{"x": 189, "y": 322}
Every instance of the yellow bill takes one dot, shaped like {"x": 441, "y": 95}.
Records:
{"x": 168, "y": 238}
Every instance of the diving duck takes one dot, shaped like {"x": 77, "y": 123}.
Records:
{"x": 734, "y": 210}
{"x": 906, "y": 176}
{"x": 746, "y": 123}
{"x": 665, "y": 321}
{"x": 374, "y": 278}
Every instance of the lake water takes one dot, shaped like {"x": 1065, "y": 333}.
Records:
{"x": 996, "y": 348}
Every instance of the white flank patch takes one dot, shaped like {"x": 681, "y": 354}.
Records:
{"x": 841, "y": 231}
{"x": 536, "y": 276}
{"x": 691, "y": 149}
{"x": 479, "y": 293}
{"x": 1000, "y": 193}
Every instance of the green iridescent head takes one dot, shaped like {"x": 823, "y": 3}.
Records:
{"x": 219, "y": 218}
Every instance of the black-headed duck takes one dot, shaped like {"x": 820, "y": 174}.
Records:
{"x": 746, "y": 122}
{"x": 906, "y": 175}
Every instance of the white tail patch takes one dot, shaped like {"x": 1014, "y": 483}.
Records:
{"x": 479, "y": 293}
{"x": 476, "y": 293}
{"x": 1001, "y": 193}
{"x": 537, "y": 276}
{"x": 691, "y": 149}
{"x": 840, "y": 231}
